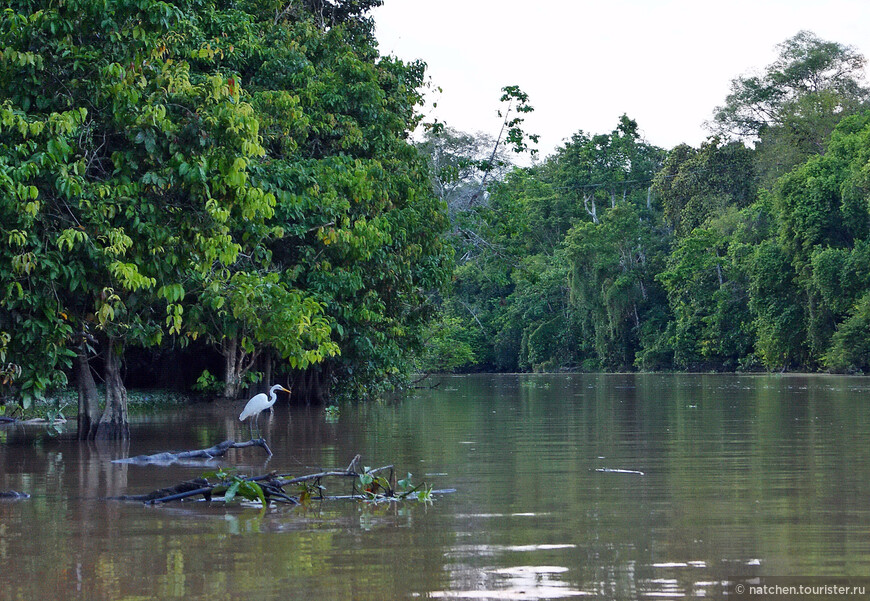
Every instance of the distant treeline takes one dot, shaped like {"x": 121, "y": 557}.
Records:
{"x": 751, "y": 252}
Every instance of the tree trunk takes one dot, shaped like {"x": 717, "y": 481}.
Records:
{"x": 267, "y": 369}
{"x": 114, "y": 424}
{"x": 593, "y": 211}
{"x": 237, "y": 363}
{"x": 231, "y": 376}
{"x": 89, "y": 403}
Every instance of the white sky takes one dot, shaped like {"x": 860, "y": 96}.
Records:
{"x": 583, "y": 63}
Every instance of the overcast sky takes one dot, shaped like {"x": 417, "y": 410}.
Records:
{"x": 665, "y": 63}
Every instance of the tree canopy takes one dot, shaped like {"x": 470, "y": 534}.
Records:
{"x": 236, "y": 174}
{"x": 747, "y": 252}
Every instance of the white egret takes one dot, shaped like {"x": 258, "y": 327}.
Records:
{"x": 257, "y": 405}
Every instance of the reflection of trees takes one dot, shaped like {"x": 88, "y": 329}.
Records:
{"x": 737, "y": 468}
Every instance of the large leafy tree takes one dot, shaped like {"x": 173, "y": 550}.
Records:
{"x": 603, "y": 169}
{"x": 185, "y": 169}
{"x": 363, "y": 227}
{"x": 614, "y": 262}
{"x": 135, "y": 168}
{"x": 807, "y": 67}
{"x": 794, "y": 105}
{"x": 695, "y": 185}
{"x": 707, "y": 282}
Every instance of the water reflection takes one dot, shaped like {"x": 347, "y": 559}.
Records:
{"x": 741, "y": 476}
{"x": 520, "y": 582}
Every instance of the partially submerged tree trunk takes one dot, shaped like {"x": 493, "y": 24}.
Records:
{"x": 89, "y": 403}
{"x": 114, "y": 424}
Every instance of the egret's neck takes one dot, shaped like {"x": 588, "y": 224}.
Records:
{"x": 272, "y": 396}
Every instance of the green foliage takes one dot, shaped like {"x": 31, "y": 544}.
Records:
{"x": 797, "y": 102}
{"x": 806, "y": 66}
{"x": 779, "y": 313}
{"x": 850, "y": 345}
{"x": 706, "y": 287}
{"x": 238, "y": 174}
{"x": 422, "y": 492}
{"x": 447, "y": 346}
{"x": 696, "y": 185}
{"x": 612, "y": 281}
{"x": 822, "y": 251}
{"x": 206, "y": 382}
{"x": 332, "y": 413}
{"x": 515, "y": 289}
{"x": 516, "y": 137}
{"x": 233, "y": 485}
{"x": 734, "y": 257}
{"x": 54, "y": 420}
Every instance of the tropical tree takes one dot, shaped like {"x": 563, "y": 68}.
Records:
{"x": 794, "y": 105}
{"x": 695, "y": 185}
{"x": 236, "y": 173}
{"x": 133, "y": 165}
{"x": 613, "y": 281}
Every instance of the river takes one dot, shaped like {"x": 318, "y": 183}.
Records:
{"x": 616, "y": 486}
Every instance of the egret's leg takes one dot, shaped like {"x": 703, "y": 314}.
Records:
{"x": 251, "y": 426}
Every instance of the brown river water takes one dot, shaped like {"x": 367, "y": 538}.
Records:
{"x": 597, "y": 486}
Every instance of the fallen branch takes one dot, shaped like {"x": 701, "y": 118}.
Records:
{"x": 190, "y": 487}
{"x": 218, "y": 450}
{"x": 270, "y": 487}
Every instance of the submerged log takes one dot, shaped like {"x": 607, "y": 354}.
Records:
{"x": 218, "y": 450}
{"x": 197, "y": 484}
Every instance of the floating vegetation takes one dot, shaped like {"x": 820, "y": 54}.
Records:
{"x": 332, "y": 413}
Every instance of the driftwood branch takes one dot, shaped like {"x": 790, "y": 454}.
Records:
{"x": 218, "y": 450}
{"x": 373, "y": 487}
{"x": 333, "y": 474}
{"x": 199, "y": 486}
{"x": 420, "y": 379}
